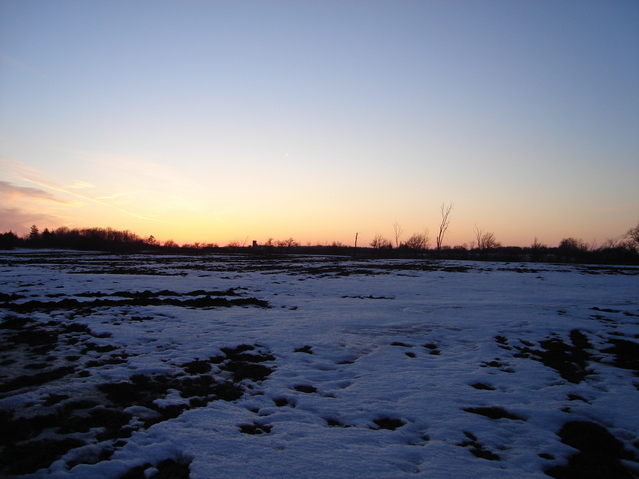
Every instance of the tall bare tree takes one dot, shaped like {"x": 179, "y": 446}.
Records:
{"x": 443, "y": 226}
{"x": 398, "y": 231}
{"x": 478, "y": 234}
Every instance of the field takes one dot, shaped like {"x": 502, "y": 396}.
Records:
{"x": 237, "y": 366}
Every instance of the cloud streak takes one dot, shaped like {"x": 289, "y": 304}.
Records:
{"x": 12, "y": 192}
{"x": 31, "y": 175}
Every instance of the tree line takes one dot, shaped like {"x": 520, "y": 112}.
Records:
{"x": 623, "y": 249}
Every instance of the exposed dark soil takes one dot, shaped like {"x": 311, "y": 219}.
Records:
{"x": 167, "y": 469}
{"x": 101, "y": 413}
{"x": 599, "y": 455}
{"x": 195, "y": 299}
{"x": 255, "y": 428}
{"x": 305, "y": 388}
{"x": 493, "y": 412}
{"x": 34, "y": 353}
{"x": 626, "y": 354}
{"x": 569, "y": 360}
{"x": 304, "y": 349}
{"x": 389, "y": 423}
{"x": 477, "y": 449}
{"x": 483, "y": 386}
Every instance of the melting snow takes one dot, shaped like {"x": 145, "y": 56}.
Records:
{"x": 239, "y": 366}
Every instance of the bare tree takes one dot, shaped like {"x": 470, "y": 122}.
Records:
{"x": 485, "y": 240}
{"x": 443, "y": 226}
{"x": 398, "y": 231}
{"x": 478, "y": 234}
{"x": 489, "y": 241}
{"x": 426, "y": 238}
{"x": 537, "y": 249}
{"x": 633, "y": 237}
{"x": 287, "y": 243}
{"x": 611, "y": 243}
{"x": 537, "y": 245}
{"x": 416, "y": 242}
{"x": 380, "y": 242}
{"x": 573, "y": 244}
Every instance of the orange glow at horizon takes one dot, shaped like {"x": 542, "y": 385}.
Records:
{"x": 246, "y": 131}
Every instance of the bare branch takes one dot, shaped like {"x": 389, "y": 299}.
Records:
{"x": 485, "y": 240}
{"x": 398, "y": 230}
{"x": 443, "y": 226}
{"x": 478, "y": 234}
{"x": 380, "y": 242}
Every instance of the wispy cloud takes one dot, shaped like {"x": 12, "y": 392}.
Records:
{"x": 34, "y": 176}
{"x": 112, "y": 197}
{"x": 139, "y": 170}
{"x": 9, "y": 192}
{"x": 19, "y": 219}
{"x": 22, "y": 206}
{"x": 140, "y": 181}
{"x": 79, "y": 185}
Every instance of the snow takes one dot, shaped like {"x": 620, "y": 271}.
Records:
{"x": 371, "y": 340}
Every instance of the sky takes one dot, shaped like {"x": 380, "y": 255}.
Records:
{"x": 219, "y": 121}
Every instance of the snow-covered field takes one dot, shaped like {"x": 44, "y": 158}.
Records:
{"x": 314, "y": 367}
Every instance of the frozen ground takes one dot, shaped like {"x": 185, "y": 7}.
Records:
{"x": 312, "y": 367}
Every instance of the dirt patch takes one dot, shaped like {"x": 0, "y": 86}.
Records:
{"x": 206, "y": 301}
{"x": 111, "y": 412}
{"x": 477, "y": 449}
{"x": 482, "y": 386}
{"x": 626, "y": 354}
{"x": 389, "y": 423}
{"x": 34, "y": 455}
{"x": 255, "y": 428}
{"x": 599, "y": 456}
{"x": 569, "y": 360}
{"x": 305, "y": 388}
{"x": 167, "y": 469}
{"x": 493, "y": 412}
{"x": 304, "y": 349}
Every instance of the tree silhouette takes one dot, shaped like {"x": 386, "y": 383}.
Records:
{"x": 416, "y": 242}
{"x": 633, "y": 236}
{"x": 34, "y": 234}
{"x": 380, "y": 242}
{"x": 9, "y": 240}
{"x": 288, "y": 243}
{"x": 485, "y": 240}
{"x": 443, "y": 226}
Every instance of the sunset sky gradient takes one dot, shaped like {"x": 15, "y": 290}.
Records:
{"x": 214, "y": 121}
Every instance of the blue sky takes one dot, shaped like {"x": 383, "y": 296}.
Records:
{"x": 214, "y": 121}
